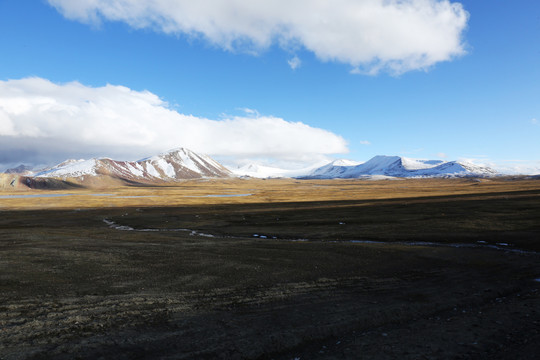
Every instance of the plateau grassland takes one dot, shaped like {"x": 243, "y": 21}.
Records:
{"x": 273, "y": 269}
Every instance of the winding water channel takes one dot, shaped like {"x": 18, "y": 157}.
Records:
{"x": 480, "y": 245}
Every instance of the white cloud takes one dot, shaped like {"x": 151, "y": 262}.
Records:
{"x": 516, "y": 167}
{"x": 295, "y": 62}
{"x": 534, "y": 121}
{"x": 519, "y": 167}
{"x": 442, "y": 155}
{"x": 506, "y": 167}
{"x": 41, "y": 121}
{"x": 250, "y": 112}
{"x": 370, "y": 35}
{"x": 365, "y": 142}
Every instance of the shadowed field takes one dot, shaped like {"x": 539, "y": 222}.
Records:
{"x": 349, "y": 269}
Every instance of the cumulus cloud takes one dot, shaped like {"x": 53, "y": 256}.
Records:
{"x": 41, "y": 121}
{"x": 370, "y": 35}
{"x": 518, "y": 167}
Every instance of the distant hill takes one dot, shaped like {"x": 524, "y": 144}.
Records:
{"x": 21, "y": 170}
{"x": 335, "y": 169}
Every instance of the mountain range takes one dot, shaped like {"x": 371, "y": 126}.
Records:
{"x": 174, "y": 165}
{"x": 396, "y": 166}
{"x": 182, "y": 164}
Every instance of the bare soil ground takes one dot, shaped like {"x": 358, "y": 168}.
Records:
{"x": 412, "y": 269}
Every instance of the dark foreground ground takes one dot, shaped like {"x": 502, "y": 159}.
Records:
{"x": 152, "y": 283}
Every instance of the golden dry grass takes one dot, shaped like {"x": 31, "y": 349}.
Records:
{"x": 201, "y": 192}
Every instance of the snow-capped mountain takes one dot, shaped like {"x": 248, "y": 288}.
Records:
{"x": 174, "y": 165}
{"x": 335, "y": 169}
{"x": 259, "y": 171}
{"x": 180, "y": 164}
{"x": 264, "y": 172}
{"x": 395, "y": 166}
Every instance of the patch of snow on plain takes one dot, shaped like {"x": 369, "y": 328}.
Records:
{"x": 378, "y": 177}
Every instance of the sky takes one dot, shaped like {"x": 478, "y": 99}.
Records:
{"x": 286, "y": 83}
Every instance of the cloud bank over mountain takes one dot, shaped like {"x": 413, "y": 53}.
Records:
{"x": 43, "y": 122}
{"x": 370, "y": 35}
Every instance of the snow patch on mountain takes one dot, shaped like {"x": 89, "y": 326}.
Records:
{"x": 71, "y": 168}
{"x": 415, "y": 164}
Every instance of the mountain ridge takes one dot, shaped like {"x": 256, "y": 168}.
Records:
{"x": 183, "y": 164}
{"x": 173, "y": 165}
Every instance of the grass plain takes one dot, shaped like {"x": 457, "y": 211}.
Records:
{"x": 337, "y": 269}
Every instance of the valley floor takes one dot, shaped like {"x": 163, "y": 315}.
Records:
{"x": 412, "y": 269}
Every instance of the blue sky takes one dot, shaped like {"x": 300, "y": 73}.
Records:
{"x": 478, "y": 100}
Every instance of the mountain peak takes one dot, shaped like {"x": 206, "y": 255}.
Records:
{"x": 179, "y": 150}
